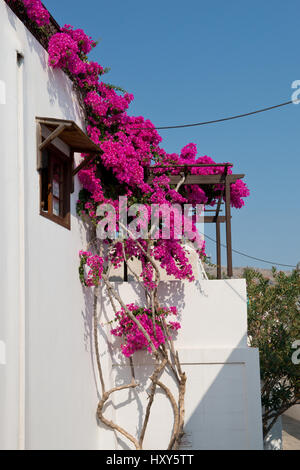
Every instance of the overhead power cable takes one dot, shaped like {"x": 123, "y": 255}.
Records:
{"x": 251, "y": 257}
{"x": 230, "y": 118}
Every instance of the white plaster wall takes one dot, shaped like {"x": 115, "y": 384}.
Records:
{"x": 59, "y": 381}
{"x": 9, "y": 237}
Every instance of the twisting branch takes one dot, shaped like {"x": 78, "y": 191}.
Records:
{"x": 181, "y": 182}
{"x": 96, "y": 342}
{"x": 154, "y": 378}
{"x": 176, "y": 414}
{"x": 111, "y": 424}
{"x": 170, "y": 343}
{"x": 153, "y": 314}
{"x": 106, "y": 395}
{"x": 182, "y": 387}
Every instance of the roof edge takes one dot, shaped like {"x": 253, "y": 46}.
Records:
{"x": 41, "y": 35}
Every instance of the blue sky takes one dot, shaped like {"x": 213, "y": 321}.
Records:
{"x": 195, "y": 61}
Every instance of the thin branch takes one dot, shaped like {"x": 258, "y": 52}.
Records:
{"x": 96, "y": 342}
{"x": 171, "y": 345}
{"x": 176, "y": 414}
{"x": 111, "y": 424}
{"x": 132, "y": 368}
{"x": 164, "y": 352}
{"x": 153, "y": 315}
{"x": 181, "y": 182}
{"x": 182, "y": 388}
{"x": 159, "y": 369}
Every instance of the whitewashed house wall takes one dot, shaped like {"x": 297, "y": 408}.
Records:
{"x": 39, "y": 261}
{"x": 48, "y": 381}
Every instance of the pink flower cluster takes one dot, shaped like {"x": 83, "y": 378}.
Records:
{"x": 63, "y": 53}
{"x": 134, "y": 339}
{"x": 173, "y": 258}
{"x": 68, "y": 49}
{"x": 36, "y": 12}
{"x": 106, "y": 102}
{"x": 91, "y": 76}
{"x": 91, "y": 183}
{"x": 238, "y": 191}
{"x": 95, "y": 264}
{"x": 85, "y": 43}
{"x": 120, "y": 156}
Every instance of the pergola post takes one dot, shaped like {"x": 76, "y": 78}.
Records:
{"x": 228, "y": 227}
{"x": 125, "y": 272}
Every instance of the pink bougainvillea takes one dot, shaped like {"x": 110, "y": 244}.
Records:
{"x": 85, "y": 43}
{"x": 63, "y": 53}
{"x": 133, "y": 339}
{"x": 36, "y": 12}
{"x": 128, "y": 146}
{"x": 94, "y": 265}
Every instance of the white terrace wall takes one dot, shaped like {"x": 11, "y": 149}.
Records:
{"x": 48, "y": 381}
{"x": 223, "y": 408}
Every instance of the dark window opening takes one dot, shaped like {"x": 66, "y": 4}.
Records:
{"x": 55, "y": 186}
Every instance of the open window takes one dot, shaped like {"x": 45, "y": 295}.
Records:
{"x": 55, "y": 186}
{"x": 57, "y": 141}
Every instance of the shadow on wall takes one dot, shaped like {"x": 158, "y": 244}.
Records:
{"x": 291, "y": 430}
{"x": 11, "y": 17}
{"x": 59, "y": 95}
{"x": 59, "y": 85}
{"x": 87, "y": 316}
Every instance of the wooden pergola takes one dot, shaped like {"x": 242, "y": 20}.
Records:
{"x": 225, "y": 179}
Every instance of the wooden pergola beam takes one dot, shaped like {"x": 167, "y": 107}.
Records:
{"x": 201, "y": 179}
{"x": 212, "y": 219}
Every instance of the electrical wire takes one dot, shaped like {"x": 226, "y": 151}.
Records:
{"x": 230, "y": 118}
{"x": 251, "y": 257}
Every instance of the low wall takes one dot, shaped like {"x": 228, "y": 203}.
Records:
{"x": 294, "y": 413}
{"x": 223, "y": 408}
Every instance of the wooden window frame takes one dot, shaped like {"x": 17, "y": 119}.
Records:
{"x": 65, "y": 161}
